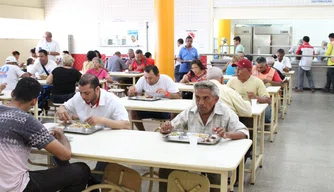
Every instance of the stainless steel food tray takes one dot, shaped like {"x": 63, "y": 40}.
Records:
{"x": 183, "y": 138}
{"x": 141, "y": 98}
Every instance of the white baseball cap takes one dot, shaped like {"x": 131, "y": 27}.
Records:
{"x": 10, "y": 59}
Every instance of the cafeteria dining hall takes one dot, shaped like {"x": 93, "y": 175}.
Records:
{"x": 166, "y": 96}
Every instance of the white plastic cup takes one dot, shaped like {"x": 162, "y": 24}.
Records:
{"x": 193, "y": 139}
{"x": 254, "y": 101}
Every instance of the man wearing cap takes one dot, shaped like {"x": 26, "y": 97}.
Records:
{"x": 267, "y": 74}
{"x": 48, "y": 44}
{"x": 10, "y": 73}
{"x": 248, "y": 86}
{"x": 227, "y": 95}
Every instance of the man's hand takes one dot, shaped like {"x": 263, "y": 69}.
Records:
{"x": 140, "y": 67}
{"x": 130, "y": 67}
{"x": 251, "y": 95}
{"x": 220, "y": 132}
{"x": 95, "y": 120}
{"x": 3, "y": 86}
{"x": 265, "y": 81}
{"x": 166, "y": 127}
{"x": 63, "y": 115}
{"x": 286, "y": 69}
{"x": 132, "y": 91}
{"x": 58, "y": 133}
{"x": 161, "y": 91}
{"x": 185, "y": 78}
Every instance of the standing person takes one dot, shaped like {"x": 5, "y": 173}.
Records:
{"x": 43, "y": 65}
{"x": 238, "y": 46}
{"x": 116, "y": 64}
{"x": 19, "y": 132}
{"x": 140, "y": 62}
{"x": 224, "y": 46}
{"x": 10, "y": 73}
{"x": 187, "y": 53}
{"x": 305, "y": 64}
{"x": 177, "y": 76}
{"x": 330, "y": 62}
{"x": 63, "y": 80}
{"x": 283, "y": 64}
{"x": 321, "y": 51}
{"x": 293, "y": 49}
{"x": 50, "y": 45}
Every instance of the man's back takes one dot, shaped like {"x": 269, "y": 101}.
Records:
{"x": 19, "y": 132}
{"x": 116, "y": 64}
{"x": 305, "y": 62}
{"x": 10, "y": 74}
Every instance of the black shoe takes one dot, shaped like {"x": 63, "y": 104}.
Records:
{"x": 326, "y": 90}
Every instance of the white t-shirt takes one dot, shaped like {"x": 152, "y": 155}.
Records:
{"x": 164, "y": 82}
{"x": 37, "y": 67}
{"x": 284, "y": 63}
{"x": 239, "y": 48}
{"x": 109, "y": 107}
{"x": 10, "y": 74}
{"x": 52, "y": 46}
{"x": 177, "y": 52}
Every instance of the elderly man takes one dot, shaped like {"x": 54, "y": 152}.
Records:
{"x": 268, "y": 75}
{"x": 43, "y": 65}
{"x": 250, "y": 87}
{"x": 140, "y": 62}
{"x": 116, "y": 64}
{"x": 50, "y": 45}
{"x": 153, "y": 84}
{"x": 19, "y": 132}
{"x": 207, "y": 116}
{"x": 10, "y": 73}
{"x": 283, "y": 64}
{"x": 227, "y": 95}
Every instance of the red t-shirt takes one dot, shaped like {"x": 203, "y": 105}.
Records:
{"x": 144, "y": 63}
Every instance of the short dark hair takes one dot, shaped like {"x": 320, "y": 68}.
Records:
{"x": 33, "y": 50}
{"x": 90, "y": 79}
{"x": 331, "y": 35}
{"x": 199, "y": 64}
{"x": 15, "y": 53}
{"x": 43, "y": 51}
{"x": 26, "y": 90}
{"x": 180, "y": 41}
{"x": 66, "y": 52}
{"x": 98, "y": 54}
{"x": 306, "y": 39}
{"x": 237, "y": 38}
{"x": 29, "y": 61}
{"x": 148, "y": 54}
{"x": 90, "y": 55}
{"x": 153, "y": 68}
{"x": 189, "y": 37}
{"x": 281, "y": 51}
{"x": 117, "y": 53}
{"x": 261, "y": 60}
{"x": 138, "y": 51}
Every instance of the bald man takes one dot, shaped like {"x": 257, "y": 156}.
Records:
{"x": 51, "y": 46}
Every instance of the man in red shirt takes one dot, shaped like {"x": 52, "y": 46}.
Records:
{"x": 267, "y": 74}
{"x": 140, "y": 62}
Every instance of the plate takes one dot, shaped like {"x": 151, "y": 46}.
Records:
{"x": 143, "y": 98}
{"x": 182, "y": 137}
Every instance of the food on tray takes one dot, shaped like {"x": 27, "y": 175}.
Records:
{"x": 77, "y": 125}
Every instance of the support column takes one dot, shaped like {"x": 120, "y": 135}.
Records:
{"x": 164, "y": 48}
{"x": 224, "y": 30}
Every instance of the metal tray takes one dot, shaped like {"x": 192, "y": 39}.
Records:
{"x": 132, "y": 72}
{"x": 84, "y": 131}
{"x": 1, "y": 94}
{"x": 183, "y": 138}
{"x": 143, "y": 98}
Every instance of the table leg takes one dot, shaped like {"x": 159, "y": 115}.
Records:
{"x": 262, "y": 139}
{"x": 241, "y": 175}
{"x": 285, "y": 100}
{"x": 255, "y": 119}
{"x": 133, "y": 81}
{"x": 36, "y": 110}
{"x": 290, "y": 89}
{"x": 273, "y": 117}
{"x": 223, "y": 181}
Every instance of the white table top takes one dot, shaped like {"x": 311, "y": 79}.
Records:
{"x": 7, "y": 95}
{"x": 43, "y": 82}
{"x": 289, "y": 73}
{"x": 184, "y": 87}
{"x": 163, "y": 105}
{"x": 149, "y": 149}
{"x": 258, "y": 109}
{"x": 228, "y": 77}
{"x": 124, "y": 74}
{"x": 273, "y": 89}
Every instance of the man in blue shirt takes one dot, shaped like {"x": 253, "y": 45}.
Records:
{"x": 187, "y": 54}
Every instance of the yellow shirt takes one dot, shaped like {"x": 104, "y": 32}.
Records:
{"x": 253, "y": 84}
{"x": 86, "y": 66}
{"x": 330, "y": 51}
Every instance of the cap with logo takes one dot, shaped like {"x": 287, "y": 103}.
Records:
{"x": 243, "y": 63}
{"x": 11, "y": 59}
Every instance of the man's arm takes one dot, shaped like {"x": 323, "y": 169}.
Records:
{"x": 242, "y": 107}
{"x": 61, "y": 148}
{"x": 57, "y": 50}
{"x": 114, "y": 124}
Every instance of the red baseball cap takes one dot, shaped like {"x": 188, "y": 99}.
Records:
{"x": 243, "y": 63}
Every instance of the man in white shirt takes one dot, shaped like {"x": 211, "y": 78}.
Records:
{"x": 38, "y": 69}
{"x": 10, "y": 73}
{"x": 177, "y": 75}
{"x": 238, "y": 46}
{"x": 283, "y": 64}
{"x": 153, "y": 84}
{"x": 51, "y": 46}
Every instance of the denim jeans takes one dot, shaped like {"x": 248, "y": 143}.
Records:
{"x": 309, "y": 77}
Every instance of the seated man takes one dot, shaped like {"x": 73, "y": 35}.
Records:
{"x": 268, "y": 75}
{"x": 283, "y": 64}
{"x": 19, "y": 132}
{"x": 10, "y": 73}
{"x": 210, "y": 116}
{"x": 140, "y": 62}
{"x": 95, "y": 106}
{"x": 2, "y": 86}
{"x": 43, "y": 65}
{"x": 153, "y": 84}
{"x": 250, "y": 87}
{"x": 227, "y": 95}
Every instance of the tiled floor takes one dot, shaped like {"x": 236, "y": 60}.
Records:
{"x": 300, "y": 159}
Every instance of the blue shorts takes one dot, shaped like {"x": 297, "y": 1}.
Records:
{"x": 154, "y": 115}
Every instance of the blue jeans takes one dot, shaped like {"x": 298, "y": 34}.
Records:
{"x": 177, "y": 75}
{"x": 267, "y": 116}
{"x": 309, "y": 77}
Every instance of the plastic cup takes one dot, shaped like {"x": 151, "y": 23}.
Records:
{"x": 193, "y": 139}
{"x": 254, "y": 101}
